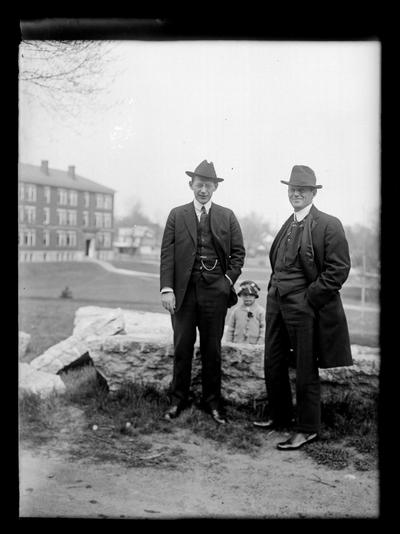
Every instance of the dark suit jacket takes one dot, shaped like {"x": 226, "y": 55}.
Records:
{"x": 324, "y": 255}
{"x": 179, "y": 244}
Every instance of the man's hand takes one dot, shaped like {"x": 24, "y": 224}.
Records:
{"x": 168, "y": 301}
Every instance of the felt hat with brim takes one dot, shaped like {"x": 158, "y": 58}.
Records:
{"x": 248, "y": 287}
{"x": 302, "y": 176}
{"x": 205, "y": 170}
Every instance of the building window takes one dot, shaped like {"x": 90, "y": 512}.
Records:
{"x": 30, "y": 192}
{"x": 21, "y": 211}
{"x": 71, "y": 219}
{"x": 46, "y": 194}
{"x": 62, "y": 196}
{"x": 21, "y": 191}
{"x": 99, "y": 201}
{"x": 107, "y": 220}
{"x": 107, "y": 240}
{"x": 61, "y": 238}
{"x": 30, "y": 214}
{"x": 62, "y": 217}
{"x": 46, "y": 238}
{"x": 29, "y": 238}
{"x": 86, "y": 199}
{"x": 98, "y": 220}
{"x": 73, "y": 198}
{"x": 46, "y": 215}
{"x": 71, "y": 239}
{"x": 107, "y": 202}
{"x": 85, "y": 218}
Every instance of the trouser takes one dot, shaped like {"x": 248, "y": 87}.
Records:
{"x": 290, "y": 323}
{"x": 204, "y": 307}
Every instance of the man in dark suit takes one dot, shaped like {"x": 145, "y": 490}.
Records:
{"x": 202, "y": 255}
{"x": 305, "y": 320}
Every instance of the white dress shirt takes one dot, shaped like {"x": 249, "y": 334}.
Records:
{"x": 299, "y": 215}
{"x": 198, "y": 206}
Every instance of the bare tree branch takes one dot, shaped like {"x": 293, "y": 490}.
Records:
{"x": 61, "y": 75}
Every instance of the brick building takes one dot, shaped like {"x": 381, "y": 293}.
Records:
{"x": 63, "y": 216}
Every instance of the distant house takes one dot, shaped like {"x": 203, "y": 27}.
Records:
{"x": 63, "y": 216}
{"x": 138, "y": 239}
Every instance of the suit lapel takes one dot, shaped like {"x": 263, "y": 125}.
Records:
{"x": 215, "y": 224}
{"x": 189, "y": 215}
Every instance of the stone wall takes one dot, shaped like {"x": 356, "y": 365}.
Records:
{"x": 122, "y": 358}
{"x": 134, "y": 346}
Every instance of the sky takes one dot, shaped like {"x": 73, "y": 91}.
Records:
{"x": 253, "y": 108}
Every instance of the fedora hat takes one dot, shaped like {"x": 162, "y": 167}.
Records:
{"x": 302, "y": 176}
{"x": 205, "y": 170}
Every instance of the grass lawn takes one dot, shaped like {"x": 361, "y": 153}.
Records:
{"x": 88, "y": 282}
{"x": 49, "y": 318}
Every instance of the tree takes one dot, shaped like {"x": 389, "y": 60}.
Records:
{"x": 62, "y": 76}
{"x": 137, "y": 217}
{"x": 255, "y": 231}
{"x": 364, "y": 245}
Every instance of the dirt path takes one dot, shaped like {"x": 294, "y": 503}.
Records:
{"x": 206, "y": 482}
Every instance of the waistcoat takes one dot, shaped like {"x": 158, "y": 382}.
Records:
{"x": 288, "y": 273}
{"x": 206, "y": 254}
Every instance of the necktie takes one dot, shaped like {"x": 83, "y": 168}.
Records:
{"x": 292, "y": 243}
{"x": 203, "y": 217}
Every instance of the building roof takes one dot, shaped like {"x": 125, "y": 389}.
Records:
{"x": 57, "y": 178}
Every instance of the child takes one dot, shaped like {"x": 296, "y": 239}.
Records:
{"x": 246, "y": 323}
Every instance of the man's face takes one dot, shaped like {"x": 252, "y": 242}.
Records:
{"x": 300, "y": 197}
{"x": 203, "y": 189}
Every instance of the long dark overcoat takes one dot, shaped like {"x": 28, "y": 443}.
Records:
{"x": 179, "y": 245}
{"x": 324, "y": 255}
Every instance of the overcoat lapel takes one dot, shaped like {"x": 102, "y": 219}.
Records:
{"x": 190, "y": 221}
{"x": 306, "y": 247}
{"x": 279, "y": 236}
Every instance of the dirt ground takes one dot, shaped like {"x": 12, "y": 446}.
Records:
{"x": 201, "y": 480}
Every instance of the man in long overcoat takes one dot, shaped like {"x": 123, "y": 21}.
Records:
{"x": 305, "y": 321}
{"x": 202, "y": 255}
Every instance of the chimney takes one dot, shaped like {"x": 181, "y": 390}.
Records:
{"x": 71, "y": 171}
{"x": 45, "y": 166}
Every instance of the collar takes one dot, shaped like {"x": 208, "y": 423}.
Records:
{"x": 299, "y": 215}
{"x": 198, "y": 206}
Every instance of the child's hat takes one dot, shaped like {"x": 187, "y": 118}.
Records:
{"x": 248, "y": 287}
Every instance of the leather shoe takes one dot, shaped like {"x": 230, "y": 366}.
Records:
{"x": 296, "y": 441}
{"x": 268, "y": 424}
{"x": 172, "y": 412}
{"x": 218, "y": 418}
